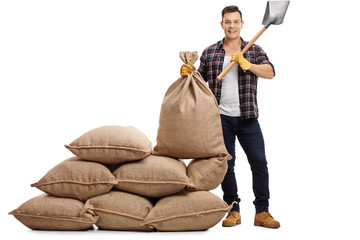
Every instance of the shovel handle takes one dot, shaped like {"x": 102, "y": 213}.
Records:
{"x": 227, "y": 69}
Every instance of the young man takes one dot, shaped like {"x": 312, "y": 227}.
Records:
{"x": 236, "y": 95}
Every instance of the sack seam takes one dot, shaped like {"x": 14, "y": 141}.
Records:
{"x": 37, "y": 184}
{"x": 186, "y": 215}
{"x": 94, "y": 208}
{"x": 153, "y": 181}
{"x": 63, "y": 218}
{"x": 107, "y": 147}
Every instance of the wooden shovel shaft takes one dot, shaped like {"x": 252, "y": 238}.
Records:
{"x": 227, "y": 69}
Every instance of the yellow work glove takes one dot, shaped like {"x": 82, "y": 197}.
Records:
{"x": 239, "y": 59}
{"x": 186, "y": 69}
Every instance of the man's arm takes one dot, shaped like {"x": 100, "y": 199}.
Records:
{"x": 203, "y": 68}
{"x": 262, "y": 67}
{"x": 262, "y": 70}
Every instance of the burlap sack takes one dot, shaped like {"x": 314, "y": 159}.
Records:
{"x": 46, "y": 212}
{"x": 120, "y": 211}
{"x": 78, "y": 179}
{"x": 189, "y": 125}
{"x": 153, "y": 176}
{"x": 206, "y": 174}
{"x": 111, "y": 145}
{"x": 186, "y": 211}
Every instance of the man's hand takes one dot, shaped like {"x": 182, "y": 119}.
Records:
{"x": 186, "y": 69}
{"x": 239, "y": 59}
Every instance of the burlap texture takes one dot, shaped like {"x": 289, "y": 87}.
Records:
{"x": 186, "y": 211}
{"x": 153, "y": 176}
{"x": 189, "y": 125}
{"x": 111, "y": 144}
{"x": 46, "y": 212}
{"x": 78, "y": 179}
{"x": 120, "y": 211}
{"x": 206, "y": 174}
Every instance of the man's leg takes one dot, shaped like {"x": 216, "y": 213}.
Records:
{"x": 252, "y": 141}
{"x": 229, "y": 185}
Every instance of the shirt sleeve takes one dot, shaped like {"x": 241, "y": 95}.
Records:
{"x": 203, "y": 68}
{"x": 262, "y": 58}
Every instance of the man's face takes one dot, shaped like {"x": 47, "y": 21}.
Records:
{"x": 232, "y": 25}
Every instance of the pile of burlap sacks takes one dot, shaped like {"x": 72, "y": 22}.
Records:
{"x": 117, "y": 181}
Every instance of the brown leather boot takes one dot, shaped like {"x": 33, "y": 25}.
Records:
{"x": 232, "y": 219}
{"x": 265, "y": 219}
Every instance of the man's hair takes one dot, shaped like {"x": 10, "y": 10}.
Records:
{"x": 230, "y": 9}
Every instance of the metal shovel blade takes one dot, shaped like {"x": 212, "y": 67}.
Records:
{"x": 275, "y": 12}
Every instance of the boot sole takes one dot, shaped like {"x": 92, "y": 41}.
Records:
{"x": 267, "y": 226}
{"x": 231, "y": 225}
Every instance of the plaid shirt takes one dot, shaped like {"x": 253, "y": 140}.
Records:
{"x": 211, "y": 64}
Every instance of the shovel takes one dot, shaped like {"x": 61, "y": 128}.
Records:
{"x": 274, "y": 14}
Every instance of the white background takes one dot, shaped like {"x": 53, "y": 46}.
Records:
{"x": 67, "y": 67}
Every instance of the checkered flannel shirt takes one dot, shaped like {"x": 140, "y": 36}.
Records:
{"x": 211, "y": 64}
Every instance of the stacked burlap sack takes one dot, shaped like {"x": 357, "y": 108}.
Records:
{"x": 118, "y": 182}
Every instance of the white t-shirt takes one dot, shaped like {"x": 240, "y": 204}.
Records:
{"x": 229, "y": 100}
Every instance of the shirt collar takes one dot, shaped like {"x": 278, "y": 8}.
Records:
{"x": 221, "y": 43}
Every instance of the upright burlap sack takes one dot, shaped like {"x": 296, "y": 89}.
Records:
{"x": 189, "y": 125}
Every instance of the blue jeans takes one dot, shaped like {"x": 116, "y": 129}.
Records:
{"x": 251, "y": 140}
